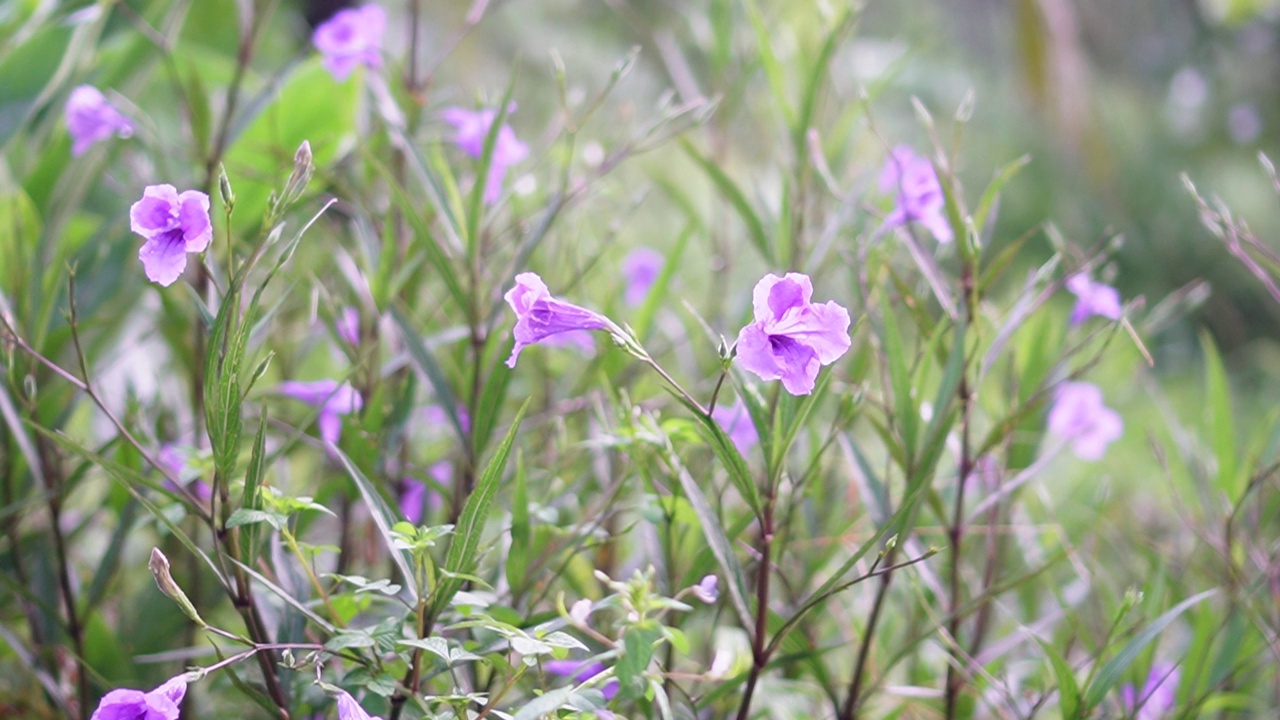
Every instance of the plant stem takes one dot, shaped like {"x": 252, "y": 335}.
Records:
{"x": 759, "y": 646}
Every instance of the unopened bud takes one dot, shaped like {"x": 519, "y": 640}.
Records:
{"x": 159, "y": 566}
{"x": 224, "y": 187}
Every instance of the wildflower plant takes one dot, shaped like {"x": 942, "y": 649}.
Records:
{"x": 812, "y": 466}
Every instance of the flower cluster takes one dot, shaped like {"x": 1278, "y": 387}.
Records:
{"x": 1093, "y": 298}
{"x": 334, "y": 400}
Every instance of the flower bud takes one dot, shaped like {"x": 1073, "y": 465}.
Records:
{"x": 159, "y": 566}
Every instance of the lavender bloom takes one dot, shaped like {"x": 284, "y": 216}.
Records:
{"x": 1093, "y": 299}
{"x": 416, "y": 497}
{"x": 580, "y": 611}
{"x": 435, "y": 415}
{"x": 736, "y": 421}
{"x": 706, "y": 590}
{"x": 471, "y": 129}
{"x": 347, "y": 325}
{"x": 333, "y": 399}
{"x": 791, "y": 337}
{"x": 351, "y": 37}
{"x": 581, "y": 671}
{"x": 174, "y": 224}
{"x": 159, "y": 704}
{"x": 90, "y": 119}
{"x": 540, "y": 316}
{"x": 579, "y": 340}
{"x": 1159, "y": 694}
{"x": 919, "y": 194}
{"x": 349, "y": 709}
{"x": 641, "y": 268}
{"x": 177, "y": 460}
{"x": 1079, "y": 417}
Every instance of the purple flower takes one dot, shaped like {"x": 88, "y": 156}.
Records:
{"x": 351, "y": 37}
{"x": 349, "y": 709}
{"x": 333, "y": 399}
{"x": 580, "y": 611}
{"x": 706, "y": 590}
{"x": 471, "y": 128}
{"x": 416, "y": 497}
{"x": 791, "y": 337}
{"x": 159, "y": 704}
{"x": 347, "y": 325}
{"x": 581, "y": 671}
{"x": 90, "y": 119}
{"x": 1079, "y": 417}
{"x": 540, "y": 316}
{"x": 641, "y": 268}
{"x": 579, "y": 340}
{"x": 1093, "y": 299}
{"x": 919, "y": 194}
{"x": 434, "y": 415}
{"x": 174, "y": 224}
{"x": 736, "y": 421}
{"x": 1159, "y": 695}
{"x": 177, "y": 460}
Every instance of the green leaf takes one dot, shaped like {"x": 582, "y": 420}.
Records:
{"x": 1111, "y": 673}
{"x": 1068, "y": 689}
{"x": 906, "y": 414}
{"x": 544, "y": 704}
{"x": 245, "y": 516}
{"x": 637, "y": 652}
{"x": 1221, "y": 430}
{"x": 769, "y": 63}
{"x": 461, "y": 558}
{"x": 383, "y": 517}
{"x": 427, "y": 365}
{"x": 521, "y": 533}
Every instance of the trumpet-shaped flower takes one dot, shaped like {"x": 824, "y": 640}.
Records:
{"x": 1079, "y": 417}
{"x": 1093, "y": 298}
{"x": 471, "y": 128}
{"x": 159, "y": 704}
{"x": 540, "y": 316}
{"x": 1159, "y": 694}
{"x": 736, "y": 421}
{"x": 919, "y": 196}
{"x": 91, "y": 118}
{"x": 349, "y": 709}
{"x": 792, "y": 338}
{"x": 350, "y": 38}
{"x": 174, "y": 224}
{"x": 333, "y": 399}
{"x": 641, "y": 268}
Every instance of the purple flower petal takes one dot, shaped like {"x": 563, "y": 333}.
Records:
{"x": 706, "y": 589}
{"x": 333, "y": 398}
{"x": 471, "y": 129}
{"x": 155, "y": 212}
{"x": 349, "y": 709}
{"x": 1093, "y": 299}
{"x": 193, "y": 217}
{"x": 159, "y": 704}
{"x": 736, "y": 422}
{"x": 164, "y": 257}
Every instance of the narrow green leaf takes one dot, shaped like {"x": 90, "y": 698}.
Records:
{"x": 1221, "y": 430}
{"x": 769, "y": 63}
{"x": 427, "y": 365}
{"x": 906, "y": 413}
{"x": 1110, "y": 673}
{"x": 1068, "y": 688}
{"x": 465, "y": 544}
{"x": 383, "y": 517}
